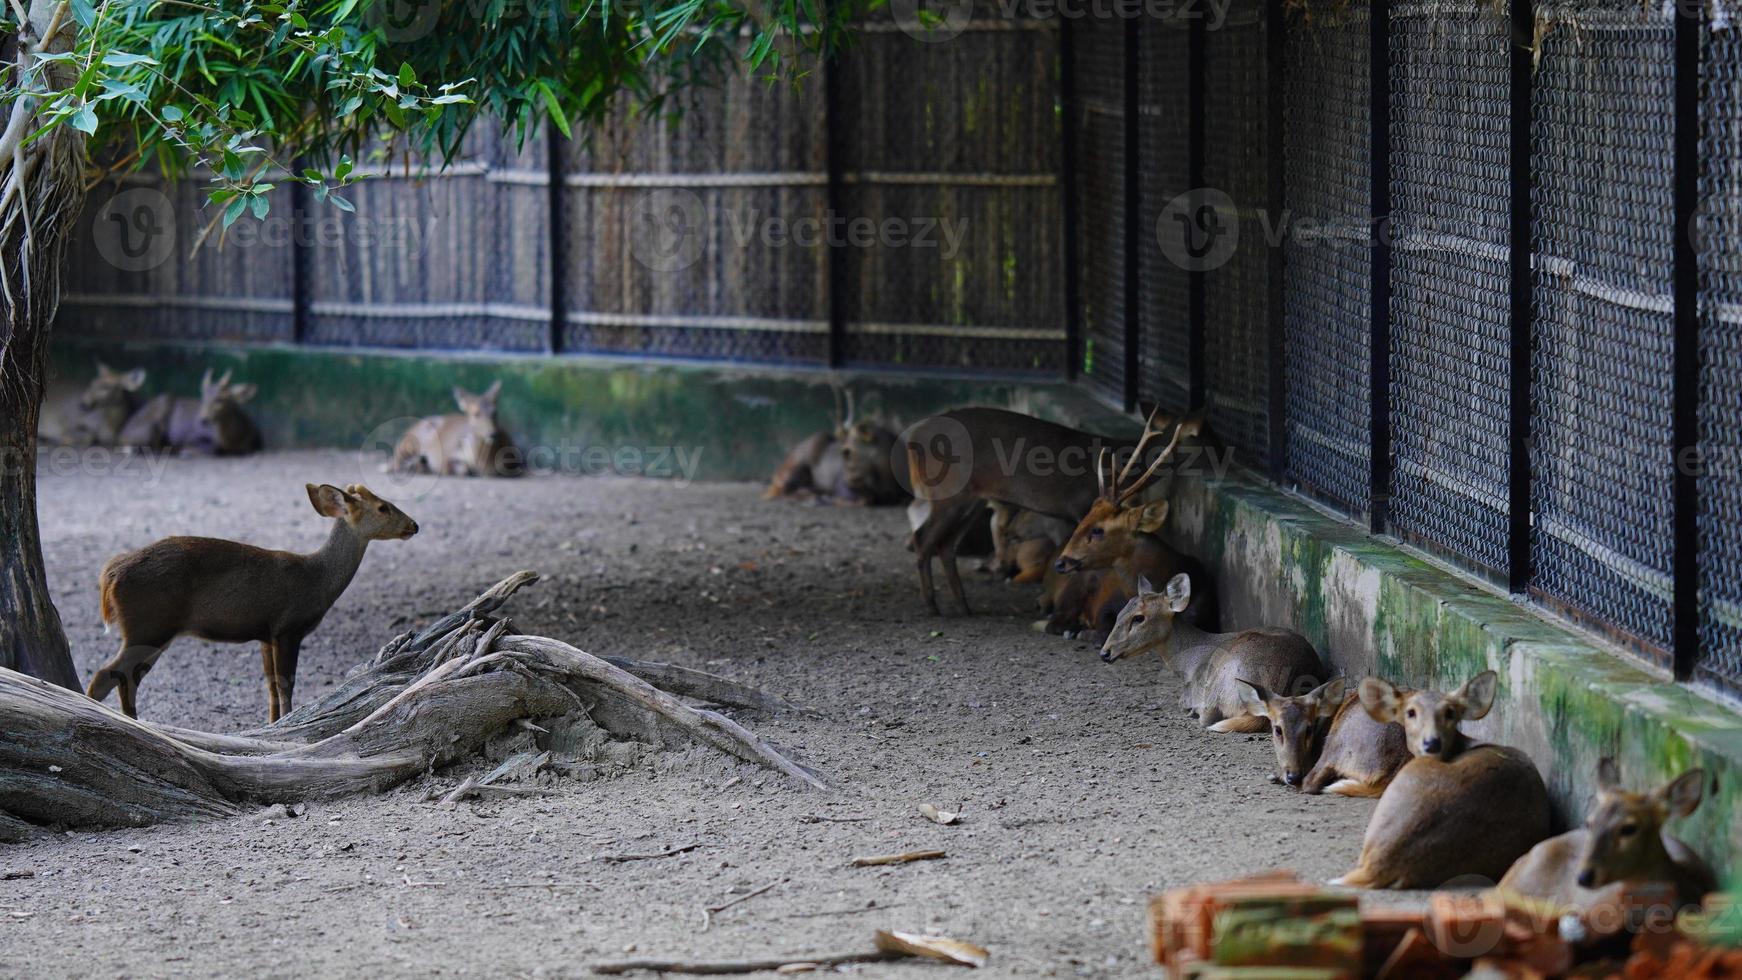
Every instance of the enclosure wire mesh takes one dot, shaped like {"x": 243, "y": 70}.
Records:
{"x": 1450, "y": 283}
{"x": 1098, "y": 47}
{"x": 1328, "y": 288}
{"x": 1163, "y": 155}
{"x": 1236, "y": 294}
{"x": 1602, "y": 452}
{"x": 1719, "y": 241}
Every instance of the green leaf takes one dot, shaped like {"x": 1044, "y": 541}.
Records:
{"x": 234, "y": 211}
{"x": 555, "y": 107}
{"x": 342, "y": 204}
{"x": 173, "y": 113}
{"x": 121, "y": 59}
{"x": 85, "y": 120}
{"x": 259, "y": 205}
{"x": 407, "y": 77}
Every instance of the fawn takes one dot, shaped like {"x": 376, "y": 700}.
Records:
{"x": 1296, "y": 724}
{"x": 230, "y": 592}
{"x": 1213, "y": 664}
{"x": 470, "y": 442}
{"x": 96, "y": 415}
{"x": 1458, "y": 808}
{"x": 1623, "y": 840}
{"x": 1024, "y": 543}
{"x": 960, "y": 460}
{"x": 215, "y": 424}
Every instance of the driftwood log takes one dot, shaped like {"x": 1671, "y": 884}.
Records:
{"x": 426, "y": 700}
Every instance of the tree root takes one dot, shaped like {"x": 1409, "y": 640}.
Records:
{"x": 424, "y": 701}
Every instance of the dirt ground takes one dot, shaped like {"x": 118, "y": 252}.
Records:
{"x": 1084, "y": 788}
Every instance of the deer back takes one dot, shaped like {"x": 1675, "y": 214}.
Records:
{"x": 1279, "y": 659}
{"x": 1361, "y": 752}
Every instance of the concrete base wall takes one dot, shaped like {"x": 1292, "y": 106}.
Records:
{"x": 1376, "y": 609}
{"x": 738, "y": 422}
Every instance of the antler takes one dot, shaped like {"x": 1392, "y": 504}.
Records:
{"x": 847, "y": 425}
{"x": 1101, "y": 470}
{"x": 1149, "y": 432}
{"x": 1192, "y": 424}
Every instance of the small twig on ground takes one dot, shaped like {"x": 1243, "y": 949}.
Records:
{"x": 744, "y": 966}
{"x": 816, "y": 818}
{"x": 910, "y": 856}
{"x": 830, "y": 912}
{"x": 708, "y": 913}
{"x": 16, "y": 875}
{"x": 620, "y": 858}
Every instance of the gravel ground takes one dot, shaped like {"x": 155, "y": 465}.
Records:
{"x": 1084, "y": 788}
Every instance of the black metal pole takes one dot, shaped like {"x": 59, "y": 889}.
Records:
{"x": 1068, "y": 109}
{"x": 1523, "y": 304}
{"x": 299, "y": 258}
{"x": 1689, "y": 30}
{"x": 837, "y": 252}
{"x": 1133, "y": 216}
{"x": 1276, "y": 69}
{"x": 557, "y": 215}
{"x": 1379, "y": 311}
{"x": 1197, "y": 37}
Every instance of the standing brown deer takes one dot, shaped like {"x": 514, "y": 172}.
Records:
{"x": 961, "y": 459}
{"x": 230, "y": 592}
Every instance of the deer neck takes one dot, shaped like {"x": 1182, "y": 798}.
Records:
{"x": 336, "y": 562}
{"x": 1189, "y": 647}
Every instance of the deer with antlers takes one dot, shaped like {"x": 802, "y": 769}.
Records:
{"x": 848, "y": 464}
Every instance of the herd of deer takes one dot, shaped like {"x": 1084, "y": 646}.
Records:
{"x": 1449, "y": 807}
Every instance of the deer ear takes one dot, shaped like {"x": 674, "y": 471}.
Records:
{"x": 1379, "y": 699}
{"x": 329, "y": 500}
{"x": 1684, "y": 794}
{"x": 1253, "y": 694}
{"x": 133, "y": 380}
{"x": 1144, "y": 586}
{"x": 1179, "y": 592}
{"x": 1478, "y": 694}
{"x": 462, "y": 397}
{"x": 206, "y": 382}
{"x": 1153, "y": 515}
{"x": 1608, "y": 774}
{"x": 1328, "y": 694}
{"x": 494, "y": 390}
{"x": 244, "y": 392}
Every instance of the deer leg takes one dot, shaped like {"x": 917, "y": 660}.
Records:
{"x": 953, "y": 536}
{"x": 269, "y": 667}
{"x": 124, "y": 671}
{"x": 285, "y": 654}
{"x": 926, "y": 589}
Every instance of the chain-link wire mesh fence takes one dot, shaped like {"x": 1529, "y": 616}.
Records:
{"x": 1099, "y": 131}
{"x": 1163, "y": 310}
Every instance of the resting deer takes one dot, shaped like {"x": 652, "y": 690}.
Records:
{"x": 470, "y": 442}
{"x": 848, "y": 464}
{"x": 1214, "y": 665}
{"x": 214, "y": 424}
{"x": 1623, "y": 840}
{"x": 1025, "y": 544}
{"x": 96, "y": 415}
{"x": 960, "y": 460}
{"x": 236, "y": 593}
{"x": 1297, "y": 725}
{"x": 1121, "y": 534}
{"x": 1361, "y": 754}
{"x": 1458, "y": 808}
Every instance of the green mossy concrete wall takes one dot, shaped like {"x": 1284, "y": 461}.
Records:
{"x": 1374, "y": 608}
{"x": 740, "y": 421}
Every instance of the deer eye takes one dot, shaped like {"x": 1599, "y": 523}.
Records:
{"x": 1410, "y": 713}
{"x": 1628, "y": 829}
{"x": 1137, "y": 620}
{"x": 1277, "y": 732}
{"x": 1095, "y": 534}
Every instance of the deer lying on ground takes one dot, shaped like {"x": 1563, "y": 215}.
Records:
{"x": 960, "y": 460}
{"x": 848, "y": 464}
{"x": 1024, "y": 543}
{"x": 214, "y": 424}
{"x": 470, "y": 442}
{"x": 1121, "y": 535}
{"x": 229, "y": 592}
{"x": 1458, "y": 808}
{"x": 94, "y": 416}
{"x": 1623, "y": 840}
{"x": 1361, "y": 754}
{"x": 1297, "y": 725}
{"x": 1214, "y": 665}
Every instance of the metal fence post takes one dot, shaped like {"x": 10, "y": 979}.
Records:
{"x": 299, "y": 258}
{"x": 1686, "y": 284}
{"x": 1196, "y": 309}
{"x": 1276, "y": 67}
{"x": 1523, "y": 304}
{"x": 1067, "y": 95}
{"x": 1379, "y": 309}
{"x": 557, "y": 217}
{"x": 836, "y": 252}
{"x": 1133, "y": 219}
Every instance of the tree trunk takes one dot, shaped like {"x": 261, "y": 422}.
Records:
{"x": 41, "y": 192}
